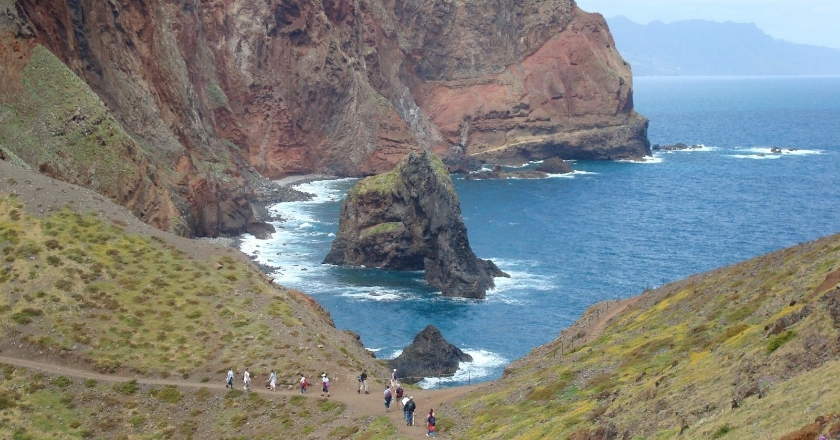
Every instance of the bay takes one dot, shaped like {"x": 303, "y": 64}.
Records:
{"x": 609, "y": 231}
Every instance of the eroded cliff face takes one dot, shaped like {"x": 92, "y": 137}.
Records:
{"x": 212, "y": 95}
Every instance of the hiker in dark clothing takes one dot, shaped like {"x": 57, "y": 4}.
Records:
{"x": 363, "y": 382}
{"x": 409, "y": 408}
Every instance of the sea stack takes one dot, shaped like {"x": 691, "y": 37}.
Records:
{"x": 410, "y": 219}
{"x": 429, "y": 355}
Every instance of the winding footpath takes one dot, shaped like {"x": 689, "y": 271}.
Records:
{"x": 344, "y": 390}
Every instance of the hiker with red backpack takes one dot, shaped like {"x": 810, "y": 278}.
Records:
{"x": 430, "y": 423}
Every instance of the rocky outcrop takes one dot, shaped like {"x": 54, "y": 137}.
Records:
{"x": 429, "y": 355}
{"x": 675, "y": 147}
{"x": 410, "y": 219}
{"x": 549, "y": 166}
{"x": 498, "y": 174}
{"x": 554, "y": 165}
{"x": 188, "y": 104}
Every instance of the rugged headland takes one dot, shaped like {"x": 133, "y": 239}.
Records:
{"x": 179, "y": 110}
{"x": 410, "y": 219}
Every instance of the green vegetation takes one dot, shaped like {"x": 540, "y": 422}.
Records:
{"x": 381, "y": 228}
{"x": 140, "y": 306}
{"x": 129, "y": 387}
{"x": 168, "y": 394}
{"x": 58, "y": 120}
{"x": 380, "y": 428}
{"x": 380, "y": 184}
{"x": 218, "y": 96}
{"x": 779, "y": 340}
{"x": 673, "y": 364}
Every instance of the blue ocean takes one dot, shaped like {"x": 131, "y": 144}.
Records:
{"x": 608, "y": 231}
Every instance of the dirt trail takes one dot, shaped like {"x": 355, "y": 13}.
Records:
{"x": 358, "y": 405}
{"x": 600, "y": 325}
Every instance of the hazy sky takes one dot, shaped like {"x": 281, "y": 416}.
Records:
{"x": 801, "y": 21}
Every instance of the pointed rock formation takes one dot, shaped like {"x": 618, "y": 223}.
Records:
{"x": 429, "y": 355}
{"x": 410, "y": 219}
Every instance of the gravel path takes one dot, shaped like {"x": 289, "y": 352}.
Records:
{"x": 358, "y": 405}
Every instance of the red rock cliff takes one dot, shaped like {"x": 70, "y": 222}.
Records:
{"x": 209, "y": 95}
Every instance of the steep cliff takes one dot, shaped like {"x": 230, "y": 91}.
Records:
{"x": 203, "y": 98}
{"x": 410, "y": 219}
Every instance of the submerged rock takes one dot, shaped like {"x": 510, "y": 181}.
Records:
{"x": 410, "y": 219}
{"x": 428, "y": 355}
{"x": 675, "y": 147}
{"x": 554, "y": 165}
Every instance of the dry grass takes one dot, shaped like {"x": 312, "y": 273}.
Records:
{"x": 676, "y": 361}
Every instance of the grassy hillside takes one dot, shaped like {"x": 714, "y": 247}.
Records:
{"x": 747, "y": 351}
{"x": 84, "y": 285}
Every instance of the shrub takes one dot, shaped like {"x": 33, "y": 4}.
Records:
{"x": 779, "y": 340}
{"x": 126, "y": 388}
{"x": 25, "y": 316}
{"x": 62, "y": 382}
{"x": 722, "y": 431}
{"x": 168, "y": 394}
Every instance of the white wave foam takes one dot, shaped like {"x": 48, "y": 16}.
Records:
{"x": 782, "y": 151}
{"x": 366, "y": 294}
{"x": 570, "y": 175}
{"x": 700, "y": 148}
{"x": 645, "y": 160}
{"x": 756, "y": 156}
{"x": 481, "y": 366}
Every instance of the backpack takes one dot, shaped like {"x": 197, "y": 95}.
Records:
{"x": 388, "y": 394}
{"x": 432, "y": 420}
{"x": 359, "y": 378}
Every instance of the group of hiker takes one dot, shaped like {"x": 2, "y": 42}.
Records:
{"x": 271, "y": 383}
{"x": 407, "y": 405}
{"x": 406, "y": 402}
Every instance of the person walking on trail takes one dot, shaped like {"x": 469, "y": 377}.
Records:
{"x": 229, "y": 381}
{"x": 430, "y": 423}
{"x": 394, "y": 382}
{"x": 408, "y": 409}
{"x": 400, "y": 397}
{"x": 387, "y": 399}
{"x": 272, "y": 381}
{"x": 303, "y": 384}
{"x": 325, "y": 382}
{"x": 363, "y": 382}
{"x": 246, "y": 378}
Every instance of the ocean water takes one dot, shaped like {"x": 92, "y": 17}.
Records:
{"x": 609, "y": 231}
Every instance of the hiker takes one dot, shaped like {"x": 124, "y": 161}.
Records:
{"x": 272, "y": 381}
{"x": 229, "y": 381}
{"x": 246, "y": 378}
{"x": 325, "y": 382}
{"x": 387, "y": 398}
{"x": 394, "y": 382}
{"x": 363, "y": 382}
{"x": 400, "y": 397}
{"x": 430, "y": 423}
{"x": 303, "y": 384}
{"x": 408, "y": 409}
